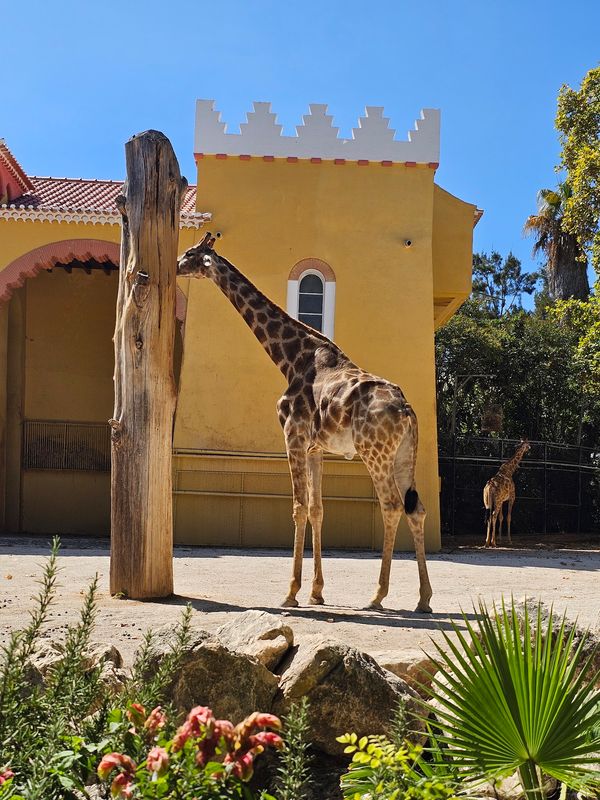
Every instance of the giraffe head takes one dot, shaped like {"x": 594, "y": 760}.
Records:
{"x": 197, "y": 261}
{"x": 524, "y": 446}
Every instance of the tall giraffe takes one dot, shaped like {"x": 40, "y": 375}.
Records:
{"x": 497, "y": 491}
{"x": 330, "y": 405}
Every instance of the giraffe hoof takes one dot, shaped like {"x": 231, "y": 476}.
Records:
{"x": 290, "y": 602}
{"x": 374, "y": 605}
{"x": 316, "y": 601}
{"x": 424, "y": 608}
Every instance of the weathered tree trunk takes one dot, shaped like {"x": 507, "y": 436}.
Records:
{"x": 141, "y": 563}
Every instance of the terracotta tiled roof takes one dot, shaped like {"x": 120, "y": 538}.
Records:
{"x": 13, "y": 165}
{"x": 80, "y": 194}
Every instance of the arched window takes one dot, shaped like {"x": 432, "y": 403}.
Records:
{"x": 311, "y": 291}
{"x": 311, "y": 294}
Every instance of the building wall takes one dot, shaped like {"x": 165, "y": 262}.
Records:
{"x": 356, "y": 218}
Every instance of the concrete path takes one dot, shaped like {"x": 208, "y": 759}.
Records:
{"x": 221, "y": 582}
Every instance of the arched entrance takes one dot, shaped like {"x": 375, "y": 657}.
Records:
{"x": 59, "y": 358}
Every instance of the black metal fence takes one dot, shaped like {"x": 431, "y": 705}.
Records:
{"x": 557, "y": 486}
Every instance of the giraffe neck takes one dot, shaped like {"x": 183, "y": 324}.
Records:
{"x": 284, "y": 339}
{"x": 511, "y": 465}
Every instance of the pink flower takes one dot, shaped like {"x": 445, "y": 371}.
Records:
{"x": 156, "y": 720}
{"x": 183, "y": 734}
{"x": 112, "y": 761}
{"x": 200, "y": 718}
{"x": 223, "y": 728}
{"x": 122, "y": 786}
{"x": 157, "y": 760}
{"x": 137, "y": 714}
{"x": 267, "y": 721}
{"x": 241, "y": 766}
{"x": 266, "y": 739}
{"x": 6, "y": 775}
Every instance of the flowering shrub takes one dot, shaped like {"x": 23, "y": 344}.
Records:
{"x": 207, "y": 757}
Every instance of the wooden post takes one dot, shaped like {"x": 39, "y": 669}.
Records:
{"x": 141, "y": 563}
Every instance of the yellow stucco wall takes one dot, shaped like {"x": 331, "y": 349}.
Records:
{"x": 356, "y": 218}
{"x": 231, "y": 480}
{"x": 453, "y": 221}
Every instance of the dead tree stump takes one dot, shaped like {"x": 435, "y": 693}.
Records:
{"x": 141, "y": 563}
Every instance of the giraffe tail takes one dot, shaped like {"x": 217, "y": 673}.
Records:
{"x": 405, "y": 465}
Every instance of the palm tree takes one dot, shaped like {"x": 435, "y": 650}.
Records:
{"x": 566, "y": 267}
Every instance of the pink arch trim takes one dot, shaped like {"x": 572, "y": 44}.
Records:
{"x": 311, "y": 263}
{"x": 49, "y": 255}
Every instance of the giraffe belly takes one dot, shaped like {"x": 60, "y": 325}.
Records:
{"x": 339, "y": 443}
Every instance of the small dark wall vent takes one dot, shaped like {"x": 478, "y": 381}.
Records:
{"x": 52, "y": 445}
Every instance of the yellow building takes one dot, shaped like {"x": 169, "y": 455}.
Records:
{"x": 351, "y": 235}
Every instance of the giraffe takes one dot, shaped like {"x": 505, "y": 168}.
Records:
{"x": 330, "y": 405}
{"x": 497, "y": 491}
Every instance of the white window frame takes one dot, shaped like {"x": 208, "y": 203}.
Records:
{"x": 293, "y": 299}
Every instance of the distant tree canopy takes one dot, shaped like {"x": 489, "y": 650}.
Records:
{"x": 541, "y": 367}
{"x": 565, "y": 264}
{"x": 578, "y": 124}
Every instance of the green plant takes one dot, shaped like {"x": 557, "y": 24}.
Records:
{"x": 294, "y": 760}
{"x": 383, "y": 770}
{"x": 207, "y": 758}
{"x": 513, "y": 695}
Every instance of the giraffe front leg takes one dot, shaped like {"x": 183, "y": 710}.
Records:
{"x": 297, "y": 463}
{"x": 315, "y": 516}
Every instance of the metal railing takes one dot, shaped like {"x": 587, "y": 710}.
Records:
{"x": 557, "y": 485}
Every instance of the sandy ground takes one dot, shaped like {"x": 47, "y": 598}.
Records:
{"x": 222, "y": 582}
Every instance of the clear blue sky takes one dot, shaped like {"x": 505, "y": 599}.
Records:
{"x": 79, "y": 78}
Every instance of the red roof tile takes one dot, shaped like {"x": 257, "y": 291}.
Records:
{"x": 13, "y": 165}
{"x": 79, "y": 194}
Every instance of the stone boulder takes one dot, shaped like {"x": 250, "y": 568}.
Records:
{"x": 348, "y": 691}
{"x": 48, "y": 654}
{"x": 232, "y": 684}
{"x": 264, "y": 636}
{"x": 413, "y": 666}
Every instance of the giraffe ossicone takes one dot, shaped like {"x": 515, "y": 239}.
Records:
{"x": 330, "y": 405}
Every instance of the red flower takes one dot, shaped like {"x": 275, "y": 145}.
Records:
{"x": 223, "y": 728}
{"x": 6, "y": 775}
{"x": 157, "y": 760}
{"x": 137, "y": 714}
{"x": 266, "y": 739}
{"x": 183, "y": 734}
{"x": 241, "y": 766}
{"x": 122, "y": 786}
{"x": 206, "y": 751}
{"x": 267, "y": 721}
{"x": 156, "y": 720}
{"x": 200, "y": 718}
{"x": 112, "y": 761}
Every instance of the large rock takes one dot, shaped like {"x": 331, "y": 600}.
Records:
{"x": 347, "y": 690}
{"x": 48, "y": 654}
{"x": 413, "y": 666}
{"x": 232, "y": 684}
{"x": 259, "y": 634}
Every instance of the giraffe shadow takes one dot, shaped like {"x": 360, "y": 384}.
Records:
{"x": 390, "y": 618}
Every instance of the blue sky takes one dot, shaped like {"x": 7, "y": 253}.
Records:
{"x": 79, "y": 78}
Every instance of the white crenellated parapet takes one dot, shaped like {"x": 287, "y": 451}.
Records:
{"x": 317, "y": 137}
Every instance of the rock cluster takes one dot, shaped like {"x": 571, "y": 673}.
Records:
{"x": 252, "y": 662}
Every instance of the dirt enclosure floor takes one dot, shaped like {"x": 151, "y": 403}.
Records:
{"x": 220, "y": 583}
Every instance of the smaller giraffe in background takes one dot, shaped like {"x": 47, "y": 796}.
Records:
{"x": 499, "y": 490}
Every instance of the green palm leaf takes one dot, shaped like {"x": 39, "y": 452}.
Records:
{"x": 513, "y": 694}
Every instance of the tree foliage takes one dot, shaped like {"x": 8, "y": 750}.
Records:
{"x": 578, "y": 124}
{"x": 500, "y": 283}
{"x": 542, "y": 367}
{"x": 565, "y": 264}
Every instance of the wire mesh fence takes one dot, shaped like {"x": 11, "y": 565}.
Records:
{"x": 557, "y": 486}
